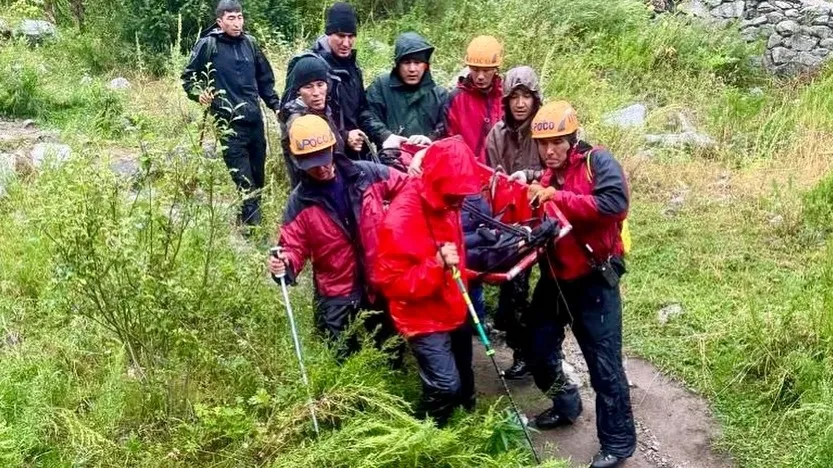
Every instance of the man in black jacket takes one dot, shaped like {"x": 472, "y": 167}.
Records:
{"x": 228, "y": 72}
{"x": 336, "y": 47}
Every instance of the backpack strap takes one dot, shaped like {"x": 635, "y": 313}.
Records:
{"x": 211, "y": 46}
{"x": 589, "y": 167}
{"x": 624, "y": 229}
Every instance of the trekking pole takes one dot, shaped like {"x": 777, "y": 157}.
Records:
{"x": 374, "y": 155}
{"x": 458, "y": 278}
{"x": 282, "y": 280}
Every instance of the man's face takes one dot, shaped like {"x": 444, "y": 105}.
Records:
{"x": 314, "y": 95}
{"x": 411, "y": 71}
{"x": 231, "y": 23}
{"x": 482, "y": 77}
{"x": 521, "y": 102}
{"x": 323, "y": 173}
{"x": 341, "y": 44}
{"x": 553, "y": 151}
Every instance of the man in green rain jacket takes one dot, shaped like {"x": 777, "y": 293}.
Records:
{"x": 406, "y": 103}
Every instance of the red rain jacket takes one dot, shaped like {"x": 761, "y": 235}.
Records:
{"x": 341, "y": 257}
{"x": 471, "y": 113}
{"x": 595, "y": 201}
{"x": 421, "y": 293}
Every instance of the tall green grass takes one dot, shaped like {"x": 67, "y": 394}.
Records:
{"x": 214, "y": 381}
{"x": 139, "y": 329}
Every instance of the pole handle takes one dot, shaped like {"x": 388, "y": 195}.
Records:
{"x": 274, "y": 251}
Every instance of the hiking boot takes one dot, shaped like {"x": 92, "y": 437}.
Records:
{"x": 550, "y": 419}
{"x": 518, "y": 370}
{"x": 606, "y": 460}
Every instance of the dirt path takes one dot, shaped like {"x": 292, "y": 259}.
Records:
{"x": 674, "y": 426}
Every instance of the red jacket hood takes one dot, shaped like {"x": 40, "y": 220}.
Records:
{"x": 448, "y": 168}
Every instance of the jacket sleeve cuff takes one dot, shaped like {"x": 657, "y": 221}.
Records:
{"x": 384, "y": 135}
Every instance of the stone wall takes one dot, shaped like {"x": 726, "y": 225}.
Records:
{"x": 798, "y": 33}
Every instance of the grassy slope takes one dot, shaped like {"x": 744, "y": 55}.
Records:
{"x": 755, "y": 337}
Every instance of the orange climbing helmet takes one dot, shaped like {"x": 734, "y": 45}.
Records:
{"x": 484, "y": 51}
{"x": 555, "y": 119}
{"x": 311, "y": 141}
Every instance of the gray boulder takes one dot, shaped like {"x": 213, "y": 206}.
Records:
{"x": 787, "y": 27}
{"x": 729, "y": 10}
{"x": 784, "y": 5}
{"x": 127, "y": 167}
{"x": 42, "y": 152}
{"x": 822, "y": 20}
{"x": 801, "y": 43}
{"x": 808, "y": 60}
{"x": 119, "y": 83}
{"x": 775, "y": 17}
{"x": 668, "y": 312}
{"x": 629, "y": 117}
{"x": 781, "y": 55}
{"x": 695, "y": 8}
{"x": 821, "y": 31}
{"x": 681, "y": 140}
{"x": 37, "y": 30}
{"x": 757, "y": 21}
{"x": 766, "y": 7}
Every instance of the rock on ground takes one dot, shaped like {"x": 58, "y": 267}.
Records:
{"x": 42, "y": 152}
{"x": 119, "y": 83}
{"x": 37, "y": 30}
{"x": 668, "y": 312}
{"x": 681, "y": 140}
{"x": 629, "y": 117}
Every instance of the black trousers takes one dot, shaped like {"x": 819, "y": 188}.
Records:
{"x": 445, "y": 371}
{"x": 513, "y": 304}
{"x": 245, "y": 157}
{"x": 334, "y": 316}
{"x": 594, "y": 309}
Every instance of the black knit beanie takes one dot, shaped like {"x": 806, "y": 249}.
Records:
{"x": 307, "y": 70}
{"x": 341, "y": 18}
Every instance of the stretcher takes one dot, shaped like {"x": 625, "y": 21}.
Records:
{"x": 511, "y": 214}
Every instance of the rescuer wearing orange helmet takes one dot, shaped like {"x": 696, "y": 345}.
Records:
{"x": 331, "y": 219}
{"x": 579, "y": 283}
{"x": 475, "y": 106}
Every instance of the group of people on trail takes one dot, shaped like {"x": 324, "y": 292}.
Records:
{"x": 389, "y": 241}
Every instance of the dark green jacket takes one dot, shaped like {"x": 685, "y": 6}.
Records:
{"x": 396, "y": 108}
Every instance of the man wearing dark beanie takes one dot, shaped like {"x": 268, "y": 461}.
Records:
{"x": 406, "y": 103}
{"x": 307, "y": 85}
{"x": 348, "y": 98}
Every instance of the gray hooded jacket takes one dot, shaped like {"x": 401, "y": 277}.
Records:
{"x": 510, "y": 143}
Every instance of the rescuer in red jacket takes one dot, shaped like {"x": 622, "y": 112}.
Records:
{"x": 332, "y": 218}
{"x": 419, "y": 241}
{"x": 476, "y": 105}
{"x": 579, "y": 283}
